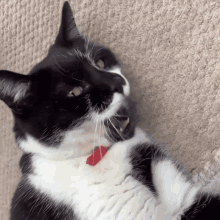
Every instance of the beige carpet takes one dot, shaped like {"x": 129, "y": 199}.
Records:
{"x": 170, "y": 50}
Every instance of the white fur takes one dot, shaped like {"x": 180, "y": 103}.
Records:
{"x": 114, "y": 70}
{"x": 17, "y": 91}
{"x": 175, "y": 191}
{"x": 77, "y": 142}
{"x": 97, "y": 192}
{"x": 105, "y": 192}
{"x": 111, "y": 110}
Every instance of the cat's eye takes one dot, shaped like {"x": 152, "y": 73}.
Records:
{"x": 75, "y": 92}
{"x": 100, "y": 64}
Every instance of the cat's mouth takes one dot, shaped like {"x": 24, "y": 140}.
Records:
{"x": 122, "y": 122}
{"x": 121, "y": 126}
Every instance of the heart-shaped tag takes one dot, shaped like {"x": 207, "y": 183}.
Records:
{"x": 97, "y": 155}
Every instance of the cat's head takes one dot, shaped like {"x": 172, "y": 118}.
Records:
{"x": 77, "y": 97}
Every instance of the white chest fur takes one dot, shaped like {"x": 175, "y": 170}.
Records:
{"x": 100, "y": 192}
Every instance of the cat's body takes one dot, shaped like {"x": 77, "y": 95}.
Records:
{"x": 65, "y": 101}
{"x": 120, "y": 186}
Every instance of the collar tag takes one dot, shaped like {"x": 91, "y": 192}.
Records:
{"x": 97, "y": 155}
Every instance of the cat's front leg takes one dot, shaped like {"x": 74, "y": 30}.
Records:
{"x": 171, "y": 184}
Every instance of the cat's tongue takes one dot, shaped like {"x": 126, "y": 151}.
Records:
{"x": 97, "y": 155}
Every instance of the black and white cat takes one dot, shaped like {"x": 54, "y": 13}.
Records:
{"x": 71, "y": 102}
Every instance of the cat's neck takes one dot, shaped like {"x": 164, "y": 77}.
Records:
{"x": 76, "y": 143}
{"x": 116, "y": 160}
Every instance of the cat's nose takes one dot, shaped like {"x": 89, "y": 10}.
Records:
{"x": 117, "y": 84}
{"x": 120, "y": 79}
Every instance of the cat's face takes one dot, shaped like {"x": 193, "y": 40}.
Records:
{"x": 69, "y": 97}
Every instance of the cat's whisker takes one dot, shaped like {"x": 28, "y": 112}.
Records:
{"x": 95, "y": 108}
{"x": 59, "y": 71}
{"x": 77, "y": 122}
{"x": 78, "y": 53}
{"x": 46, "y": 132}
{"x": 116, "y": 129}
{"x": 106, "y": 103}
{"x": 43, "y": 134}
{"x": 99, "y": 137}
{"x": 99, "y": 50}
{"x": 23, "y": 193}
{"x": 116, "y": 114}
{"x": 95, "y": 134}
{"x": 89, "y": 54}
{"x": 88, "y": 102}
{"x": 108, "y": 130}
{"x": 100, "y": 133}
{"x": 116, "y": 118}
{"x": 105, "y": 130}
{"x": 77, "y": 79}
{"x": 112, "y": 136}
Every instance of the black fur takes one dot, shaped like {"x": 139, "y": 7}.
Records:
{"x": 205, "y": 207}
{"x": 141, "y": 158}
{"x": 25, "y": 164}
{"x": 45, "y": 110}
{"x": 46, "y": 104}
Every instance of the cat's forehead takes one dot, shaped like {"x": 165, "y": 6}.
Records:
{"x": 76, "y": 58}
{"x": 83, "y": 52}
{"x": 72, "y": 65}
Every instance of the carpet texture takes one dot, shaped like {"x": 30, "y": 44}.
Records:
{"x": 170, "y": 51}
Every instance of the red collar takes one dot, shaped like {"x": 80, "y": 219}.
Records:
{"x": 96, "y": 156}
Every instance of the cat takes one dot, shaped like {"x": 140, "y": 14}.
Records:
{"x": 75, "y": 99}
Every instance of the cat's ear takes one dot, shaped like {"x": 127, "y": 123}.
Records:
{"x": 68, "y": 29}
{"x": 14, "y": 88}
